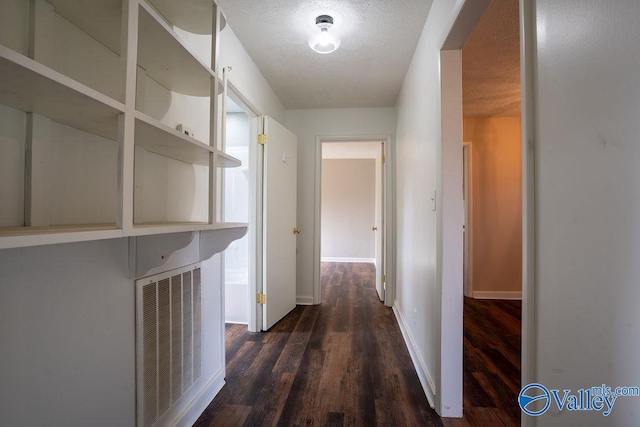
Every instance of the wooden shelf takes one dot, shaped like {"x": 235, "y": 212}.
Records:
{"x": 32, "y": 87}
{"x": 225, "y": 160}
{"x": 227, "y": 225}
{"x": 16, "y": 237}
{"x": 159, "y": 138}
{"x": 167, "y": 59}
{"x": 180, "y": 227}
{"x": 193, "y": 16}
{"x": 101, "y": 19}
{"x": 169, "y": 227}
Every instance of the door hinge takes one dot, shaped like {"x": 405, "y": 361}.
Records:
{"x": 384, "y": 278}
{"x": 261, "y": 299}
{"x": 384, "y": 159}
{"x": 262, "y": 138}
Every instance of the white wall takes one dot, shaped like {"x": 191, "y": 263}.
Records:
{"x": 80, "y": 163}
{"x": 13, "y": 125}
{"x": 82, "y": 58}
{"x": 348, "y": 208}
{"x": 67, "y": 333}
{"x": 308, "y": 125}
{"x": 14, "y": 25}
{"x": 418, "y": 291}
{"x": 587, "y": 226}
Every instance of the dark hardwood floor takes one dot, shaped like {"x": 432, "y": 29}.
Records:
{"x": 345, "y": 363}
{"x": 492, "y": 331}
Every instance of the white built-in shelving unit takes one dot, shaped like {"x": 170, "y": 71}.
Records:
{"x": 91, "y": 94}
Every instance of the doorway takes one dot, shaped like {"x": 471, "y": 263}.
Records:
{"x": 237, "y": 205}
{"x": 488, "y": 250}
{"x": 351, "y": 205}
{"x": 378, "y": 151}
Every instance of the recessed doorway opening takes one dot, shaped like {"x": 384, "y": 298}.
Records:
{"x": 352, "y": 200}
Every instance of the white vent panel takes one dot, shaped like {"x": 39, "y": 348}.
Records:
{"x": 169, "y": 340}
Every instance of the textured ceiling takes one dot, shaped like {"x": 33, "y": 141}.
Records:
{"x": 491, "y": 63}
{"x": 379, "y": 38}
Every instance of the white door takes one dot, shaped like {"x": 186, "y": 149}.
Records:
{"x": 280, "y": 226}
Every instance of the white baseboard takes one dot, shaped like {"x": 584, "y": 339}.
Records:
{"x": 342, "y": 259}
{"x": 304, "y": 300}
{"x": 190, "y": 415}
{"x": 426, "y": 381}
{"x": 515, "y": 295}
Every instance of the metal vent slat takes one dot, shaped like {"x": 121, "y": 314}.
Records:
{"x": 149, "y": 349}
{"x": 164, "y": 346}
{"x": 176, "y": 337}
{"x": 187, "y": 331}
{"x": 197, "y": 325}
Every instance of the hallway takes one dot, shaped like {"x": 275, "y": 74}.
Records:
{"x": 341, "y": 363}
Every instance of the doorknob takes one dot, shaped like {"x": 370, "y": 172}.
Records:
{"x": 297, "y": 231}
{"x": 374, "y": 228}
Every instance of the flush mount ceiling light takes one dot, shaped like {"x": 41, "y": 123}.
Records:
{"x": 324, "y": 42}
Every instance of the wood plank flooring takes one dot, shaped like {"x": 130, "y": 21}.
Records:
{"x": 491, "y": 381}
{"x": 344, "y": 363}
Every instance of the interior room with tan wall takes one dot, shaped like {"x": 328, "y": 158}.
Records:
{"x": 497, "y": 208}
{"x": 491, "y": 125}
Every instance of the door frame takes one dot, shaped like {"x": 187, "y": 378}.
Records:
{"x": 388, "y": 202}
{"x": 449, "y": 361}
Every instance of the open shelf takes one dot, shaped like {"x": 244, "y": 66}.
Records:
{"x": 32, "y": 87}
{"x": 101, "y": 19}
{"x": 225, "y": 160}
{"x": 159, "y": 138}
{"x": 15, "y": 237}
{"x": 194, "y": 16}
{"x": 167, "y": 59}
{"x": 77, "y": 81}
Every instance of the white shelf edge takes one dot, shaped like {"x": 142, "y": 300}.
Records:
{"x": 227, "y": 225}
{"x": 57, "y": 237}
{"x": 157, "y": 16}
{"x": 57, "y": 77}
{"x": 72, "y": 234}
{"x": 228, "y": 161}
{"x": 167, "y": 228}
